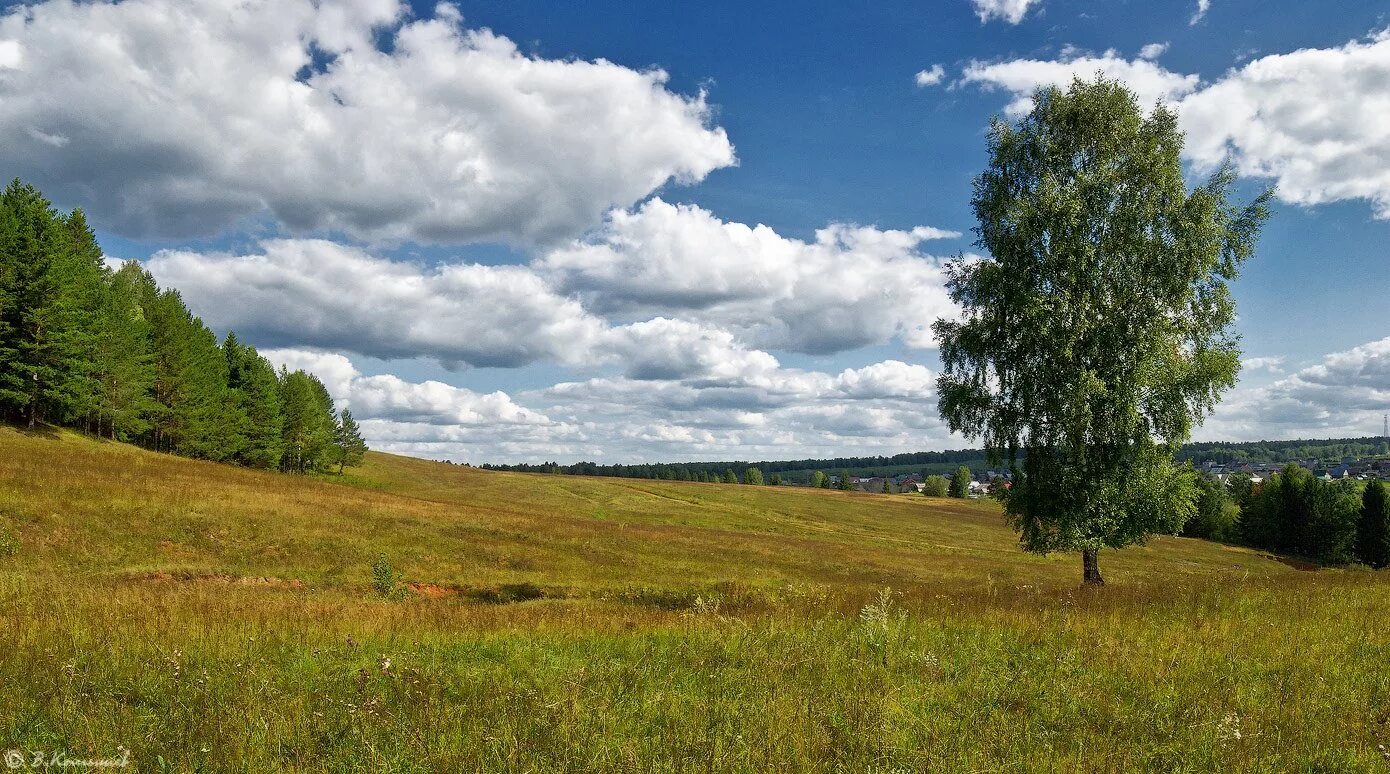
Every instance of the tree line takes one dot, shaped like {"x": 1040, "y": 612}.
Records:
{"x": 702, "y": 471}
{"x": 112, "y": 354}
{"x": 1227, "y": 452}
{"x": 1298, "y": 514}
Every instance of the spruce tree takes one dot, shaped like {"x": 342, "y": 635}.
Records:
{"x": 123, "y": 364}
{"x": 1373, "y": 527}
{"x": 28, "y": 364}
{"x": 348, "y": 440}
{"x": 253, "y": 385}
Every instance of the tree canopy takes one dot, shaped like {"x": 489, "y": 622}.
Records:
{"x": 1097, "y": 329}
{"x": 111, "y": 353}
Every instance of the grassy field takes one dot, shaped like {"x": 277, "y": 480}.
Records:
{"x": 207, "y": 618}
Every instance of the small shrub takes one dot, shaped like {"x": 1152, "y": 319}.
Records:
{"x": 384, "y": 577}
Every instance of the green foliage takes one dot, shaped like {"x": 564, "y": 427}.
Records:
{"x": 753, "y": 476}
{"x": 887, "y": 487}
{"x": 960, "y": 482}
{"x": 113, "y": 354}
{"x": 384, "y": 577}
{"x": 1216, "y": 515}
{"x": 775, "y": 479}
{"x": 255, "y": 391}
{"x": 349, "y": 448}
{"x": 1300, "y": 514}
{"x": 935, "y": 486}
{"x": 1373, "y": 527}
{"x": 846, "y": 481}
{"x": 730, "y": 477}
{"x": 308, "y": 424}
{"x": 1098, "y": 330}
{"x": 819, "y": 480}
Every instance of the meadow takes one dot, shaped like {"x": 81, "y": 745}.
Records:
{"x": 418, "y": 616}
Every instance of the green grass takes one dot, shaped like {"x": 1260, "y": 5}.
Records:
{"x": 211, "y": 618}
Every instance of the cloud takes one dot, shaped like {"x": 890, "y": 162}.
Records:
{"x": 761, "y": 411}
{"x": 1149, "y": 81}
{"x": 177, "y": 118}
{"x": 1311, "y": 120}
{"x": 1343, "y": 395}
{"x": 1202, "y": 7}
{"x": 314, "y": 293}
{"x": 1153, "y": 50}
{"x": 850, "y": 287}
{"x": 1010, "y": 11}
{"x": 1273, "y": 365}
{"x": 931, "y": 76}
{"x": 388, "y": 397}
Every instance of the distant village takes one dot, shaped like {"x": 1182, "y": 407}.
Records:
{"x": 1349, "y": 468}
{"x": 984, "y": 482}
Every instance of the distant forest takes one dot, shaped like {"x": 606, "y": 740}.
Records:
{"x": 110, "y": 353}
{"x": 800, "y": 471}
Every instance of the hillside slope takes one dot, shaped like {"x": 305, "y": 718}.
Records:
{"x": 208, "y": 618}
{"x": 109, "y": 509}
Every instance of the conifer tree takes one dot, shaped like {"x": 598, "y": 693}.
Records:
{"x": 846, "y": 483}
{"x": 753, "y": 476}
{"x": 348, "y": 440}
{"x": 1373, "y": 527}
{"x": 28, "y": 365}
{"x": 256, "y": 391}
{"x": 123, "y": 364}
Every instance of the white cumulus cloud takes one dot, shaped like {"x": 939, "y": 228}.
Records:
{"x": 314, "y": 293}
{"x": 184, "y": 117}
{"x": 851, "y": 286}
{"x": 1149, "y": 81}
{"x": 1010, "y": 11}
{"x": 1312, "y": 120}
{"x": 931, "y": 76}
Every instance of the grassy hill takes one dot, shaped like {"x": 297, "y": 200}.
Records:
{"x": 207, "y": 617}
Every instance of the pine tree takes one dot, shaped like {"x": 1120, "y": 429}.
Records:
{"x": 887, "y": 488}
{"x": 730, "y": 477}
{"x": 27, "y": 243}
{"x": 753, "y": 476}
{"x": 123, "y": 364}
{"x": 256, "y": 391}
{"x": 1373, "y": 527}
{"x": 196, "y": 416}
{"x": 348, "y": 440}
{"x": 846, "y": 483}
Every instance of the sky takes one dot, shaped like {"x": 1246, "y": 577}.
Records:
{"x": 507, "y": 231}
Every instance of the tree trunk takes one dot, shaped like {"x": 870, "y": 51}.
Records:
{"x": 1090, "y": 568}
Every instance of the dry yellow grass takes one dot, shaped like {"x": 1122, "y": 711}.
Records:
{"x": 212, "y": 618}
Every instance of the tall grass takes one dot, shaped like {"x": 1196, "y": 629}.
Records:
{"x": 254, "y": 640}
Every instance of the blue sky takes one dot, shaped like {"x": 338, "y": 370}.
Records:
{"x": 204, "y": 156}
